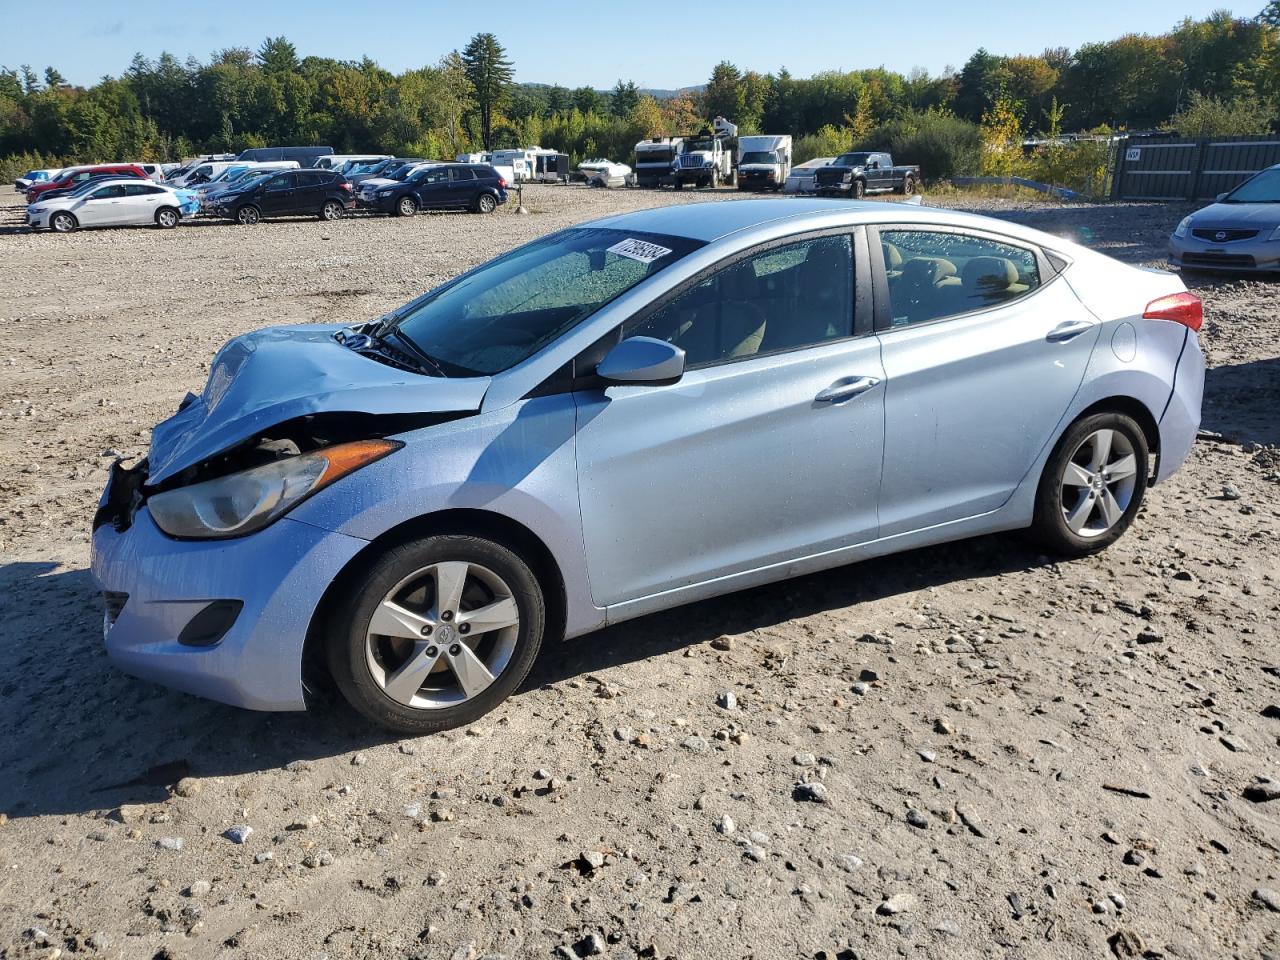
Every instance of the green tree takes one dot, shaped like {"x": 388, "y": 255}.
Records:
{"x": 1206, "y": 116}
{"x": 624, "y": 98}
{"x": 490, "y": 73}
{"x": 723, "y": 96}
{"x": 1270, "y": 14}
{"x": 278, "y": 55}
{"x": 53, "y": 79}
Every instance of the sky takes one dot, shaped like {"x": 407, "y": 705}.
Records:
{"x": 591, "y": 44}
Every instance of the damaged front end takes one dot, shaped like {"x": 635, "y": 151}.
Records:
{"x": 285, "y": 413}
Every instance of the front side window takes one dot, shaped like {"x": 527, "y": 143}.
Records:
{"x": 784, "y": 298}
{"x": 935, "y": 274}
{"x": 282, "y": 182}
{"x": 435, "y": 175}
{"x": 510, "y": 308}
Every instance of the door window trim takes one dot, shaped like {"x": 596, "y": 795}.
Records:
{"x": 883, "y": 309}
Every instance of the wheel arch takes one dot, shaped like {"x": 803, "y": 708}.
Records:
{"x": 1130, "y": 407}
{"x": 494, "y": 526}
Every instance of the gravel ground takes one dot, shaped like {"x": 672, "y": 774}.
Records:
{"x": 967, "y": 751}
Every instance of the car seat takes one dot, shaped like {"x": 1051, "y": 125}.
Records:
{"x": 990, "y": 280}
{"x": 925, "y": 290}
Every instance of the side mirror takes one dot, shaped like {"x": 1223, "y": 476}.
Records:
{"x": 642, "y": 360}
{"x": 1220, "y": 197}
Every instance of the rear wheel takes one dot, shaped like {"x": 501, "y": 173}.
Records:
{"x": 1093, "y": 485}
{"x": 63, "y": 222}
{"x": 167, "y": 218}
{"x": 440, "y": 631}
{"x": 486, "y": 203}
{"x": 908, "y": 186}
{"x": 332, "y": 210}
{"x": 247, "y": 216}
{"x": 406, "y": 207}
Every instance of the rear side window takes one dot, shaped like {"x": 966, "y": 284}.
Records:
{"x": 463, "y": 173}
{"x": 784, "y": 298}
{"x": 309, "y": 178}
{"x": 934, "y": 275}
{"x": 140, "y": 189}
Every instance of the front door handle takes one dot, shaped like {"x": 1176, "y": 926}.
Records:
{"x": 846, "y": 389}
{"x": 1068, "y": 331}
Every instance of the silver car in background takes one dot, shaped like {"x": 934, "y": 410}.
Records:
{"x": 1240, "y": 232}
{"x": 801, "y": 179}
{"x": 624, "y": 417}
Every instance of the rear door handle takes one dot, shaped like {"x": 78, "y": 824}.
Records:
{"x": 1068, "y": 331}
{"x": 846, "y": 389}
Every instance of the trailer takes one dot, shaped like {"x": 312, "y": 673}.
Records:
{"x": 550, "y": 166}
{"x": 654, "y": 159}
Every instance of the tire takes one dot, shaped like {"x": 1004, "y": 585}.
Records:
{"x": 715, "y": 179}
{"x": 486, "y": 203}
{"x": 859, "y": 189}
{"x": 406, "y": 207}
{"x": 332, "y": 210}
{"x": 167, "y": 218}
{"x": 446, "y": 689}
{"x": 908, "y": 186}
{"x": 679, "y": 184}
{"x": 63, "y": 222}
{"x": 1072, "y": 516}
{"x": 248, "y": 215}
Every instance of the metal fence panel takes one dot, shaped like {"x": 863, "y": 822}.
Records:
{"x": 1181, "y": 168}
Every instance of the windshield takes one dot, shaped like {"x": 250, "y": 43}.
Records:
{"x": 510, "y": 308}
{"x": 1263, "y": 188}
{"x": 691, "y": 145}
{"x": 851, "y": 159}
{"x": 759, "y": 156}
{"x": 251, "y": 176}
{"x": 84, "y": 187}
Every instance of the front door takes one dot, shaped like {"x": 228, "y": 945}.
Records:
{"x": 278, "y": 194}
{"x": 983, "y": 350}
{"x": 767, "y": 450}
{"x": 433, "y": 188}
{"x": 102, "y": 207}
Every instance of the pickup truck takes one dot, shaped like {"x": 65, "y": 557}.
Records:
{"x": 857, "y": 174}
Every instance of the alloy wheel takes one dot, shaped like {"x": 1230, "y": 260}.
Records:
{"x": 407, "y": 207}
{"x": 1098, "y": 483}
{"x": 487, "y": 203}
{"x": 63, "y": 222}
{"x": 442, "y": 635}
{"x": 167, "y": 218}
{"x": 332, "y": 211}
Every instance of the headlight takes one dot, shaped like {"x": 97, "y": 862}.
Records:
{"x": 847, "y": 178}
{"x": 243, "y": 502}
{"x": 1275, "y": 234}
{"x": 384, "y": 193}
{"x": 1181, "y": 229}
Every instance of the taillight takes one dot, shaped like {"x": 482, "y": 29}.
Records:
{"x": 346, "y": 187}
{"x": 502, "y": 182}
{"x": 1184, "y": 308}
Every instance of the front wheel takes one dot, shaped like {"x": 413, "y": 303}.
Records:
{"x": 859, "y": 189}
{"x": 248, "y": 216}
{"x": 63, "y": 222}
{"x": 407, "y": 207}
{"x": 1093, "y": 485}
{"x": 438, "y": 633}
{"x": 332, "y": 210}
{"x": 486, "y": 203}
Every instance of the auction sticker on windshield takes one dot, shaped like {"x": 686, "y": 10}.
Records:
{"x": 640, "y": 250}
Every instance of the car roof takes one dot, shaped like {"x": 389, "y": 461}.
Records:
{"x": 713, "y": 220}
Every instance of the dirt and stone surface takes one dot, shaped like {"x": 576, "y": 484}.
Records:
{"x": 966, "y": 751}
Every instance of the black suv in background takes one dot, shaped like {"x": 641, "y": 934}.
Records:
{"x": 441, "y": 186}
{"x": 319, "y": 193}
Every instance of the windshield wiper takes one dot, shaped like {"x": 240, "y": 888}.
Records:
{"x": 418, "y": 354}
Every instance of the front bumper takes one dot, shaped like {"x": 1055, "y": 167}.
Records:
{"x": 155, "y": 586}
{"x": 1257, "y": 255}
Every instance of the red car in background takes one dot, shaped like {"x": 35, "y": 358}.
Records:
{"x": 77, "y": 175}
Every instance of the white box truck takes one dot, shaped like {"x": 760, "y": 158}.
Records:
{"x": 764, "y": 162}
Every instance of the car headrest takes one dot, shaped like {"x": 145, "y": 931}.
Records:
{"x": 892, "y": 256}
{"x": 989, "y": 273}
{"x": 927, "y": 270}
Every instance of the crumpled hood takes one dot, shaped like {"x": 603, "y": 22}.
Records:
{"x": 1248, "y": 216}
{"x": 281, "y": 373}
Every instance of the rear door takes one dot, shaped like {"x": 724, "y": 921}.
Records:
{"x": 141, "y": 201}
{"x": 462, "y": 186}
{"x": 984, "y": 347}
{"x": 767, "y": 450}
{"x": 310, "y": 189}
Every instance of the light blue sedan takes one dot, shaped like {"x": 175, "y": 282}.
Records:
{"x": 627, "y": 416}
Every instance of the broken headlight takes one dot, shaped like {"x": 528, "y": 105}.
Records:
{"x": 248, "y": 500}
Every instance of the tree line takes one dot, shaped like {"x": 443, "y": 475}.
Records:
{"x": 1218, "y": 75}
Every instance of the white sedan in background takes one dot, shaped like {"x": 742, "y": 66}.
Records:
{"x": 109, "y": 203}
